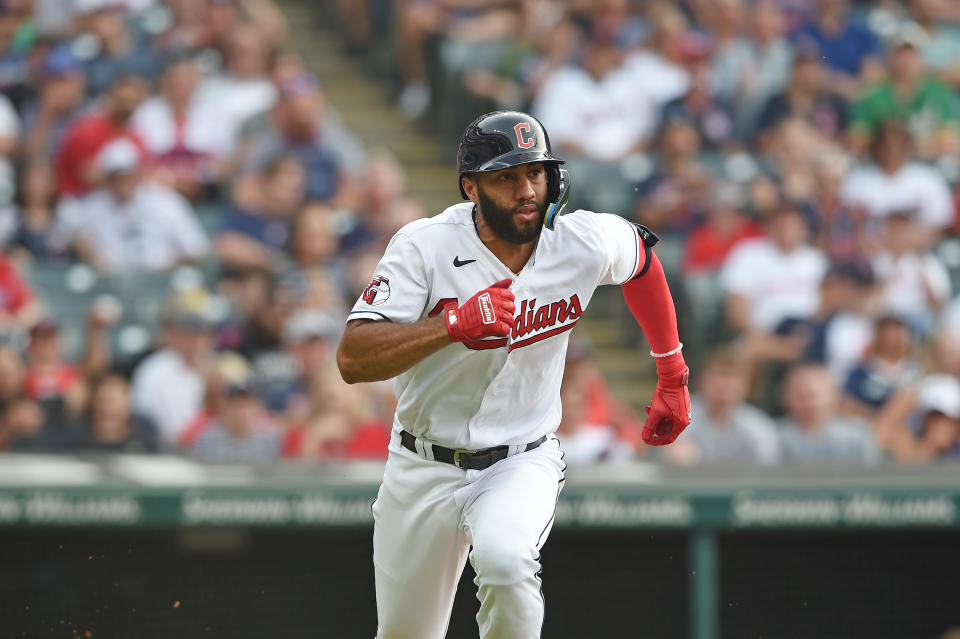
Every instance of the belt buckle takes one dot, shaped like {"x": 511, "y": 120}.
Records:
{"x": 456, "y": 456}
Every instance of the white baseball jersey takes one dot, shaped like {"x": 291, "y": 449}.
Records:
{"x": 494, "y": 391}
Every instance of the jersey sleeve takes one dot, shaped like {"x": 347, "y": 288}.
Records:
{"x": 398, "y": 291}
{"x": 625, "y": 255}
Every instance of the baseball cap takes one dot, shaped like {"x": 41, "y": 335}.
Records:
{"x": 299, "y": 84}
{"x": 236, "y": 372}
{"x": 119, "y": 156}
{"x": 940, "y": 393}
{"x": 311, "y": 323}
{"x": 60, "y": 60}
{"x": 45, "y": 328}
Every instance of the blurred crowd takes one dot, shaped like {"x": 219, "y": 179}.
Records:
{"x": 185, "y": 222}
{"x": 799, "y": 160}
{"x": 186, "y": 219}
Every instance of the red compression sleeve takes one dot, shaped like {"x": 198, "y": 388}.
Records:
{"x": 649, "y": 299}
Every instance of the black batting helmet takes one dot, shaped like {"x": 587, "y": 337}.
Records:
{"x": 502, "y": 139}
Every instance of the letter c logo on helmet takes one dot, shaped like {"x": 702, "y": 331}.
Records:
{"x": 524, "y": 138}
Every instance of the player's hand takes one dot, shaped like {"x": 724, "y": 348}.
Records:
{"x": 669, "y": 411}
{"x": 489, "y": 313}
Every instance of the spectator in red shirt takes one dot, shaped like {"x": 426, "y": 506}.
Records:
{"x": 709, "y": 243}
{"x": 336, "y": 423}
{"x": 75, "y": 160}
{"x": 51, "y": 380}
{"x": 18, "y": 307}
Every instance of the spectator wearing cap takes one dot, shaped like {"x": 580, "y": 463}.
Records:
{"x": 310, "y": 337}
{"x": 727, "y": 430}
{"x": 257, "y": 225}
{"x": 921, "y": 423}
{"x": 807, "y": 96}
{"x": 892, "y": 182}
{"x": 927, "y": 106}
{"x": 725, "y": 224}
{"x": 118, "y": 50}
{"x": 851, "y": 51}
{"x": 915, "y": 283}
{"x": 75, "y": 162}
{"x": 50, "y": 379}
{"x": 109, "y": 425}
{"x": 839, "y": 332}
{"x": 813, "y": 433}
{"x": 61, "y": 100}
{"x": 706, "y": 248}
{"x": 888, "y": 368}
{"x": 132, "y": 224}
{"x": 169, "y": 385}
{"x": 771, "y": 279}
{"x": 184, "y": 134}
{"x": 243, "y": 432}
{"x": 298, "y": 127}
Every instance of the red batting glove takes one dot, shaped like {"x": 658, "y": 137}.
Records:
{"x": 669, "y": 411}
{"x": 489, "y": 313}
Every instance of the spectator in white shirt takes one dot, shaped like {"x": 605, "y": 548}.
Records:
{"x": 915, "y": 283}
{"x": 243, "y": 90}
{"x": 595, "y": 109}
{"x": 771, "y": 279}
{"x": 132, "y": 224}
{"x": 725, "y": 428}
{"x": 169, "y": 386}
{"x": 894, "y": 183}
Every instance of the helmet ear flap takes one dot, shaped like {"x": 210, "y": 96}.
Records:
{"x": 553, "y": 181}
{"x": 558, "y": 192}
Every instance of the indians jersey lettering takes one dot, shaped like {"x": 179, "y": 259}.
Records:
{"x": 498, "y": 390}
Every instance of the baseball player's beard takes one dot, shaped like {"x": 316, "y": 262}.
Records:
{"x": 500, "y": 220}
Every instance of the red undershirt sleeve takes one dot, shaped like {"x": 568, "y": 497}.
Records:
{"x": 650, "y": 301}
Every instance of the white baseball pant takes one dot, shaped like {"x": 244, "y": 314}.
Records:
{"x": 427, "y": 516}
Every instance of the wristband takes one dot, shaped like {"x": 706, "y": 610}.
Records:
{"x": 668, "y": 353}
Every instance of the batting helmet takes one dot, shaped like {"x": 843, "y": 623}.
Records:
{"x": 503, "y": 139}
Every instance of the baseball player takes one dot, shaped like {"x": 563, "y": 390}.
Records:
{"x": 471, "y": 311}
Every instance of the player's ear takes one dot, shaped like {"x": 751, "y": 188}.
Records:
{"x": 469, "y": 184}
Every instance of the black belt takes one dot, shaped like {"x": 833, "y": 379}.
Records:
{"x": 466, "y": 459}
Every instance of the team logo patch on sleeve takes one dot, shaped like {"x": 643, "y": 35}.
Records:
{"x": 377, "y": 291}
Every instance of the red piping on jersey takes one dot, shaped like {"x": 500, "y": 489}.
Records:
{"x": 542, "y": 336}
